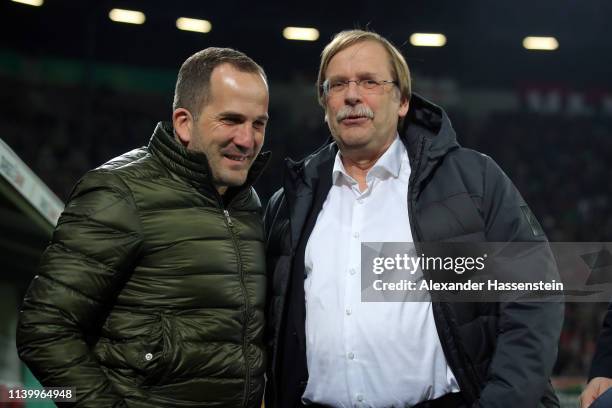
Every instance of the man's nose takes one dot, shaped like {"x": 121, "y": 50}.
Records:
{"x": 352, "y": 94}
{"x": 245, "y": 137}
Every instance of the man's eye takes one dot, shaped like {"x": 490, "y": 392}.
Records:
{"x": 230, "y": 121}
{"x": 370, "y": 82}
{"x": 336, "y": 84}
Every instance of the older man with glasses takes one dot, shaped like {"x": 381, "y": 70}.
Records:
{"x": 394, "y": 172}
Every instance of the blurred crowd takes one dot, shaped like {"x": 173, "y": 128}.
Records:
{"x": 559, "y": 164}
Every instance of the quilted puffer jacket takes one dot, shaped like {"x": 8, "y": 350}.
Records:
{"x": 151, "y": 292}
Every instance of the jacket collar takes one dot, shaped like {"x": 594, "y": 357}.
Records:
{"x": 190, "y": 165}
{"x": 429, "y": 124}
{"x": 429, "y": 136}
{"x": 304, "y": 182}
{"x": 308, "y": 171}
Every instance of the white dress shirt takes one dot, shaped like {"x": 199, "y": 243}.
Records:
{"x": 380, "y": 354}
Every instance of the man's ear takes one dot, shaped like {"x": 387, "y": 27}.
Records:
{"x": 403, "y": 108}
{"x": 183, "y": 125}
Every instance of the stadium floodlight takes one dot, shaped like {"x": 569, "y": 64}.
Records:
{"x": 428, "y": 40}
{"x": 193, "y": 24}
{"x": 541, "y": 43}
{"x": 127, "y": 16}
{"x": 301, "y": 33}
{"x": 36, "y": 3}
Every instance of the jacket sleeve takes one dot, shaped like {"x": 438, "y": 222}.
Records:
{"x": 528, "y": 332}
{"x": 602, "y": 361}
{"x": 93, "y": 248}
{"x": 273, "y": 313}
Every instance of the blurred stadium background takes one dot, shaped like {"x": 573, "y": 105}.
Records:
{"x": 77, "y": 88}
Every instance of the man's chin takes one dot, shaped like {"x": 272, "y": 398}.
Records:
{"x": 231, "y": 180}
{"x": 353, "y": 140}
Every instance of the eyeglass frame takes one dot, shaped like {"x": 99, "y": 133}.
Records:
{"x": 359, "y": 82}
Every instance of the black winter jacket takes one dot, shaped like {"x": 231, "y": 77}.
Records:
{"x": 501, "y": 354}
{"x": 152, "y": 290}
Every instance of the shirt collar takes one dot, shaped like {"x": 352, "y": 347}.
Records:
{"x": 389, "y": 163}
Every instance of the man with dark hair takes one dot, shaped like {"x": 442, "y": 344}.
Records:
{"x": 151, "y": 292}
{"x": 381, "y": 181}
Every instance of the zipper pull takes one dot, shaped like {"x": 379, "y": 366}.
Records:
{"x": 229, "y": 220}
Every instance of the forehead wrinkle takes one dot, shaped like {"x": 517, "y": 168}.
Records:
{"x": 359, "y": 75}
{"x": 353, "y": 58}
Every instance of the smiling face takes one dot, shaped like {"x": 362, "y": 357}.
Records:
{"x": 363, "y": 123}
{"x": 231, "y": 126}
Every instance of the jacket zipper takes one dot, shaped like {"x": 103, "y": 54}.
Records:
{"x": 416, "y": 230}
{"x": 228, "y": 218}
{"x": 416, "y": 236}
{"x": 413, "y": 226}
{"x": 230, "y": 226}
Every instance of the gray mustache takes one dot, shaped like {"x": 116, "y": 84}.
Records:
{"x": 359, "y": 110}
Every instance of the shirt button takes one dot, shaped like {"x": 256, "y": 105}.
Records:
{"x": 348, "y": 311}
{"x": 351, "y": 356}
{"x": 359, "y": 397}
{"x": 352, "y": 271}
{"x": 359, "y": 201}
{"x": 356, "y": 235}
{"x": 148, "y": 356}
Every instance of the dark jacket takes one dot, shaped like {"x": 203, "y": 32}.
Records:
{"x": 501, "y": 354}
{"x": 602, "y": 361}
{"x": 152, "y": 290}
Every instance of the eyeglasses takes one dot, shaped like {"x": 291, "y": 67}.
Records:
{"x": 337, "y": 86}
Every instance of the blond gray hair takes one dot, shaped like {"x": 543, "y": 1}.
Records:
{"x": 344, "y": 39}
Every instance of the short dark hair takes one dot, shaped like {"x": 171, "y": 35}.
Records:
{"x": 192, "y": 84}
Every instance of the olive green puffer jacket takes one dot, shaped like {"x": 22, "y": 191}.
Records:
{"x": 151, "y": 292}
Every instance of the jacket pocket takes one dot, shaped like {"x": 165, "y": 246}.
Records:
{"x": 142, "y": 358}
{"x": 158, "y": 354}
